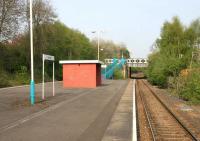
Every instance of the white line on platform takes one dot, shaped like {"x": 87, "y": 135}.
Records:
{"x": 134, "y": 124}
{"x": 24, "y": 86}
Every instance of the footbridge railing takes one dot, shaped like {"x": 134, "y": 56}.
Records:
{"x": 132, "y": 62}
{"x": 108, "y": 72}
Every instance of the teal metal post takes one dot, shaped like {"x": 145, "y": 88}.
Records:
{"x": 32, "y": 92}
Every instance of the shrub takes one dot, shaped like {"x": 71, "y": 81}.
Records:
{"x": 191, "y": 90}
{"x": 4, "y": 82}
{"x": 118, "y": 74}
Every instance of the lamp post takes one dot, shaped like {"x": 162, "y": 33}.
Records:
{"x": 98, "y": 43}
{"x": 32, "y": 83}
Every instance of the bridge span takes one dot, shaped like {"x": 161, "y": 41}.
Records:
{"x": 123, "y": 64}
{"x": 132, "y": 62}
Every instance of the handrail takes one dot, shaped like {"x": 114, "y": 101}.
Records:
{"x": 109, "y": 70}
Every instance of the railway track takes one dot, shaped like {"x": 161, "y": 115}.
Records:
{"x": 164, "y": 125}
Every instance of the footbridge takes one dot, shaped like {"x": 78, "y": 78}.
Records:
{"x": 131, "y": 62}
{"x": 122, "y": 64}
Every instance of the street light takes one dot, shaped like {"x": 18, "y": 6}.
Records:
{"x": 98, "y": 36}
{"x": 32, "y": 83}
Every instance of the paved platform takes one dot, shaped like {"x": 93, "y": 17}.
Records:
{"x": 72, "y": 115}
{"x": 120, "y": 127}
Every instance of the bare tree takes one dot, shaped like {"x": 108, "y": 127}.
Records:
{"x": 10, "y": 14}
{"x": 43, "y": 12}
{"x": 111, "y": 49}
{"x": 43, "y": 15}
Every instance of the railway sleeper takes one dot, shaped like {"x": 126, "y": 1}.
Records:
{"x": 169, "y": 138}
{"x": 171, "y": 133}
{"x": 169, "y": 128}
{"x": 175, "y": 139}
{"x": 174, "y": 136}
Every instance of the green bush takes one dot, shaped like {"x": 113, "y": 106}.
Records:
{"x": 135, "y": 70}
{"x": 158, "y": 79}
{"x": 22, "y": 78}
{"x": 191, "y": 89}
{"x": 118, "y": 74}
{"x": 157, "y": 70}
{"x": 4, "y": 82}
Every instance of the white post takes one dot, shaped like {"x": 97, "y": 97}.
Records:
{"x": 50, "y": 58}
{"x": 98, "y": 43}
{"x": 53, "y": 81}
{"x": 32, "y": 84}
{"x": 31, "y": 39}
{"x": 43, "y": 77}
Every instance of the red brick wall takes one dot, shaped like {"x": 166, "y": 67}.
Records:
{"x": 80, "y": 75}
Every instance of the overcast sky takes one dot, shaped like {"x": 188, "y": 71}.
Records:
{"x": 136, "y": 23}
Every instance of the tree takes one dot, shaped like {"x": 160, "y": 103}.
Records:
{"x": 172, "y": 35}
{"x": 173, "y": 53}
{"x": 43, "y": 14}
{"x": 195, "y": 26}
{"x": 109, "y": 49}
{"x": 66, "y": 44}
{"x": 11, "y": 12}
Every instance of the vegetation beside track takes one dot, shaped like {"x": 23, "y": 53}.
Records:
{"x": 136, "y": 70}
{"x": 177, "y": 49}
{"x": 118, "y": 74}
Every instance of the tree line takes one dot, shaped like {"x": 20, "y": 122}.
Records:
{"x": 50, "y": 37}
{"x": 175, "y": 60}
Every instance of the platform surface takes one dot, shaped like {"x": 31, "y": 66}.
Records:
{"x": 120, "y": 126}
{"x": 72, "y": 115}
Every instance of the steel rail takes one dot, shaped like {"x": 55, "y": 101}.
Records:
{"x": 173, "y": 115}
{"x": 147, "y": 113}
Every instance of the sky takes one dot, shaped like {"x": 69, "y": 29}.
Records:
{"x": 136, "y": 23}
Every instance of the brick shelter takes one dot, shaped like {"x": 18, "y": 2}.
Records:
{"x": 81, "y": 73}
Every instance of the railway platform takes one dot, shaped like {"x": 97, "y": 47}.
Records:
{"x": 120, "y": 127}
{"x": 72, "y": 115}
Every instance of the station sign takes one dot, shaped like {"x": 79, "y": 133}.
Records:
{"x": 48, "y": 57}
